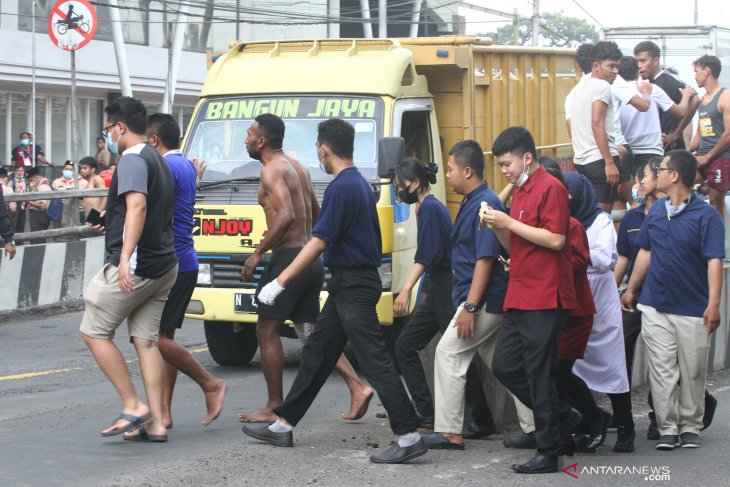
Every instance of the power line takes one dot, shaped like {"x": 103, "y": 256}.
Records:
{"x": 587, "y": 12}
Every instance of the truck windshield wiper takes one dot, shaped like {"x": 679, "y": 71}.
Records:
{"x": 250, "y": 179}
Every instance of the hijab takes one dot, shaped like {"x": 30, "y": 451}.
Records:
{"x": 583, "y": 202}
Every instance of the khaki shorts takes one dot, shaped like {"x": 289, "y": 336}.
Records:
{"x": 107, "y": 306}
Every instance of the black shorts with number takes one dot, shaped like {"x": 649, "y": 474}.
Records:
{"x": 173, "y": 313}
{"x": 299, "y": 302}
{"x": 595, "y": 172}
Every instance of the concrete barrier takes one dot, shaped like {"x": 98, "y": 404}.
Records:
{"x": 49, "y": 274}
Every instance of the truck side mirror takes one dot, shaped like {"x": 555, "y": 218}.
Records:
{"x": 391, "y": 151}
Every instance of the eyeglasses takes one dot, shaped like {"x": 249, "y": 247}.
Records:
{"x": 105, "y": 130}
{"x": 657, "y": 170}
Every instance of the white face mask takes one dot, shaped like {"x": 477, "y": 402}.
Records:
{"x": 524, "y": 176}
{"x": 674, "y": 210}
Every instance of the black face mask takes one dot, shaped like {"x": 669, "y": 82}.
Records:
{"x": 407, "y": 197}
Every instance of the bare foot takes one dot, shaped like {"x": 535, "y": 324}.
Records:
{"x": 263, "y": 415}
{"x": 359, "y": 404}
{"x": 167, "y": 419}
{"x": 214, "y": 402}
{"x": 121, "y": 424}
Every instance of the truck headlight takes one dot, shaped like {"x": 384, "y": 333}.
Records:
{"x": 386, "y": 273}
{"x": 204, "y": 277}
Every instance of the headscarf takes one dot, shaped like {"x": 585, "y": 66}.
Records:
{"x": 583, "y": 203}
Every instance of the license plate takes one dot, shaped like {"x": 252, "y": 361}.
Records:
{"x": 245, "y": 303}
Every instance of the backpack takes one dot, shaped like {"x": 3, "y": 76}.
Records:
{"x": 55, "y": 208}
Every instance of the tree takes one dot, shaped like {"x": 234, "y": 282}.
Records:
{"x": 556, "y": 30}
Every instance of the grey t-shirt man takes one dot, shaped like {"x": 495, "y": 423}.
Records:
{"x": 141, "y": 169}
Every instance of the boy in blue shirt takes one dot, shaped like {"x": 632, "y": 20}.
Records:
{"x": 348, "y": 233}
{"x": 682, "y": 245}
{"x": 163, "y": 134}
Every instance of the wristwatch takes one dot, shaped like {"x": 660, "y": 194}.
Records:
{"x": 470, "y": 307}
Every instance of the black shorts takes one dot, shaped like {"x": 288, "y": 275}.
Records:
{"x": 299, "y": 302}
{"x": 641, "y": 159}
{"x": 173, "y": 313}
{"x": 595, "y": 172}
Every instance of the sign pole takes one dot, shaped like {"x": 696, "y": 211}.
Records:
{"x": 74, "y": 112}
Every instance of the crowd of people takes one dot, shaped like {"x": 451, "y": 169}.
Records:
{"x": 27, "y": 159}
{"x": 535, "y": 280}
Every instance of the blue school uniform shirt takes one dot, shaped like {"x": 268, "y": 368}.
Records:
{"x": 680, "y": 247}
{"x": 470, "y": 243}
{"x": 185, "y": 179}
{"x": 348, "y": 222}
{"x": 434, "y": 235}
{"x": 628, "y": 231}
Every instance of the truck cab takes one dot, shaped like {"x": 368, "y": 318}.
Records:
{"x": 381, "y": 87}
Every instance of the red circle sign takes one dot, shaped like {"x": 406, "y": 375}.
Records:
{"x": 72, "y": 24}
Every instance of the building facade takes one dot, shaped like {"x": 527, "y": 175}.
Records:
{"x": 148, "y": 29}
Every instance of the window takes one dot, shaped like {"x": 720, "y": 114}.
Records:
{"x": 19, "y": 106}
{"x": 4, "y": 144}
{"x": 60, "y": 122}
{"x": 416, "y": 131}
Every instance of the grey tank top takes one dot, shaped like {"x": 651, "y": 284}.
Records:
{"x": 711, "y": 126}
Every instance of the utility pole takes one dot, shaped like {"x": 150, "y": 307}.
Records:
{"x": 32, "y": 85}
{"x": 697, "y": 12}
{"x": 415, "y": 17}
{"x": 382, "y": 19}
{"x": 118, "y": 38}
{"x": 535, "y": 22}
{"x": 516, "y": 29}
{"x": 367, "y": 26}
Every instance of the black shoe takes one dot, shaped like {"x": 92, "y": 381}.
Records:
{"x": 398, "y": 454}
{"x": 653, "y": 431}
{"x": 540, "y": 463}
{"x": 569, "y": 423}
{"x": 710, "y": 406}
{"x": 526, "y": 441}
{"x": 425, "y": 422}
{"x": 568, "y": 447}
{"x": 263, "y": 433}
{"x": 474, "y": 432}
{"x": 667, "y": 442}
{"x": 598, "y": 430}
{"x": 625, "y": 440}
{"x": 437, "y": 441}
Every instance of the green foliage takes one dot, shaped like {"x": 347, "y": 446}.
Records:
{"x": 556, "y": 30}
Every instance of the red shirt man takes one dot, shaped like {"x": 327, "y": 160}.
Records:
{"x": 539, "y": 295}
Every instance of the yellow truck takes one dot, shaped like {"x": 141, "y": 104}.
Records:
{"x": 429, "y": 92}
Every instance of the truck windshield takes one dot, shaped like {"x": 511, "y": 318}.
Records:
{"x": 218, "y": 133}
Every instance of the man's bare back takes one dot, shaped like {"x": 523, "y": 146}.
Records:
{"x": 311, "y": 205}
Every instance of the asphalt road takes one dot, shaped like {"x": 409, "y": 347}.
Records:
{"x": 54, "y": 401}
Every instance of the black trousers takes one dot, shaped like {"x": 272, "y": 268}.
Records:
{"x": 632, "y": 331}
{"x": 38, "y": 221}
{"x": 19, "y": 218}
{"x": 349, "y": 314}
{"x": 523, "y": 361}
{"x": 432, "y": 315}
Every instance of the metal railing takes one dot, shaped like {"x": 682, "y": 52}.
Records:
{"x": 69, "y": 223}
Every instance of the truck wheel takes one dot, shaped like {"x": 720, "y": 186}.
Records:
{"x": 228, "y": 346}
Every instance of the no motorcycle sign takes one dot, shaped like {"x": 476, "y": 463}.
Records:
{"x": 72, "y": 24}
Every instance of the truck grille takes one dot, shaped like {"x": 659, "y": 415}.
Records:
{"x": 228, "y": 274}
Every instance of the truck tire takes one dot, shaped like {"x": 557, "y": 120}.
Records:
{"x": 229, "y": 347}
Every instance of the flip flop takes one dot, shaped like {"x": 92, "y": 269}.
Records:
{"x": 134, "y": 423}
{"x": 144, "y": 436}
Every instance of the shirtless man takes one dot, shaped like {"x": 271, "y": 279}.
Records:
{"x": 87, "y": 169}
{"x": 288, "y": 200}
